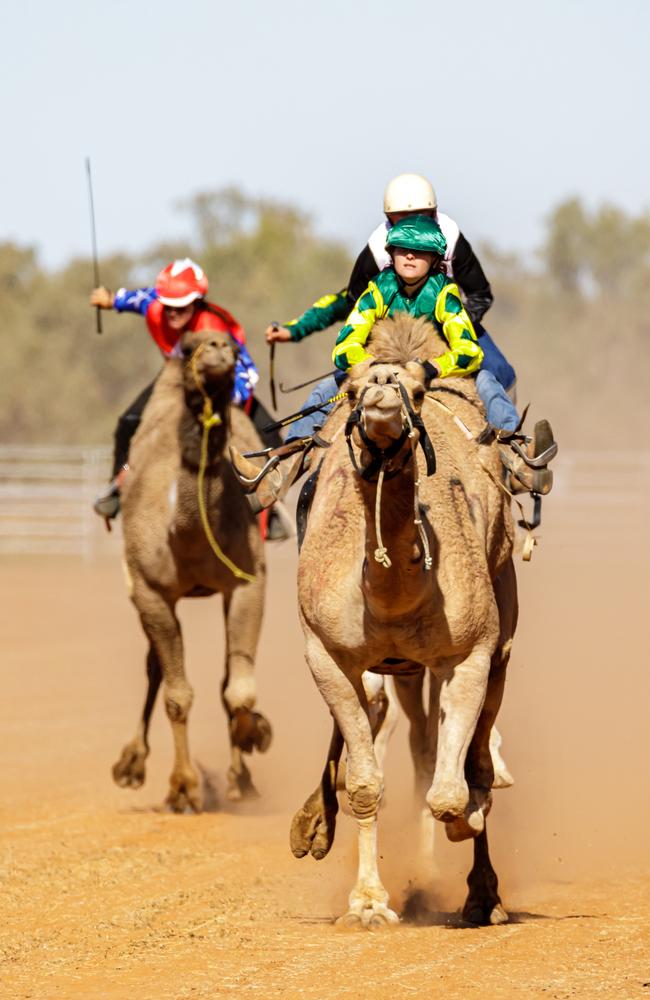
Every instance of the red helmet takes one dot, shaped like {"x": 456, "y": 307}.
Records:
{"x": 180, "y": 283}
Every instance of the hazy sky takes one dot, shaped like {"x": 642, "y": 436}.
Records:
{"x": 508, "y": 106}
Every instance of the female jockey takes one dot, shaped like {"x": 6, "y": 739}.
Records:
{"x": 173, "y": 306}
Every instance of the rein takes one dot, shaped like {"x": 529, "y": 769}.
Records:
{"x": 209, "y": 419}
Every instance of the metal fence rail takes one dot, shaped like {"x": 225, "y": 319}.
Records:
{"x": 46, "y": 496}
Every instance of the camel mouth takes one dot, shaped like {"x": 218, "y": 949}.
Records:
{"x": 383, "y": 421}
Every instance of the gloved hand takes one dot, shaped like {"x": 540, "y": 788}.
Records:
{"x": 102, "y": 297}
{"x": 430, "y": 373}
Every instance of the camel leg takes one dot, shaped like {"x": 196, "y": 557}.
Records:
{"x": 422, "y": 744}
{"x": 485, "y": 768}
{"x": 483, "y": 904}
{"x": 346, "y": 698}
{"x": 248, "y": 730}
{"x": 505, "y": 592}
{"x": 314, "y": 825}
{"x": 162, "y": 628}
{"x": 383, "y": 714}
{"x": 462, "y": 694}
{"x": 384, "y": 719}
{"x": 409, "y": 693}
{"x": 129, "y": 772}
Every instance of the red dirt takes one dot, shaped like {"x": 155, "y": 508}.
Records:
{"x": 104, "y": 896}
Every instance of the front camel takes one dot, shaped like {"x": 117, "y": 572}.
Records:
{"x": 188, "y": 532}
{"x": 403, "y": 567}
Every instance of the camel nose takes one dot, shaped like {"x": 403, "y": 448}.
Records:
{"x": 382, "y": 393}
{"x": 382, "y": 375}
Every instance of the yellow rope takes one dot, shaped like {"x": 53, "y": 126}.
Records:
{"x": 209, "y": 419}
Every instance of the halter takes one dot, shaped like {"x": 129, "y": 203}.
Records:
{"x": 380, "y": 457}
{"x": 209, "y": 419}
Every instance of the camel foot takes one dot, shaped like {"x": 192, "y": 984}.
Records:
{"x": 484, "y": 914}
{"x": 129, "y": 772}
{"x": 250, "y": 731}
{"x": 184, "y": 794}
{"x": 371, "y": 915}
{"x": 313, "y": 827}
{"x": 448, "y": 799}
{"x": 472, "y": 822}
{"x": 240, "y": 785}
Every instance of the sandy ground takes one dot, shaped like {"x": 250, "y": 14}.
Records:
{"x": 103, "y": 895}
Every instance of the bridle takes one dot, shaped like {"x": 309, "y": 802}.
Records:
{"x": 379, "y": 457}
{"x": 412, "y": 425}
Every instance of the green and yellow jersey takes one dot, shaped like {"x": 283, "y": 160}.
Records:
{"x": 438, "y": 299}
{"x": 325, "y": 311}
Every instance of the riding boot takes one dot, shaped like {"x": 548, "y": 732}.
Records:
{"x": 107, "y": 503}
{"x": 526, "y": 473}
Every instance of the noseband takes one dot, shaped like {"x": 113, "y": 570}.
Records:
{"x": 381, "y": 456}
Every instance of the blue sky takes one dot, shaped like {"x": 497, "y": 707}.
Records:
{"x": 507, "y": 106}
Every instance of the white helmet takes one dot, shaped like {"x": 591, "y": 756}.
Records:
{"x": 409, "y": 193}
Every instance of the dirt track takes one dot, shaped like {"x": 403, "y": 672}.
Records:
{"x": 104, "y": 896}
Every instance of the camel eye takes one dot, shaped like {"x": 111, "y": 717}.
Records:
{"x": 418, "y": 395}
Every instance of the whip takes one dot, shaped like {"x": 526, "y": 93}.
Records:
{"x": 93, "y": 234}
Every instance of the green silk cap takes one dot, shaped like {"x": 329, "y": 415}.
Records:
{"x": 417, "y": 232}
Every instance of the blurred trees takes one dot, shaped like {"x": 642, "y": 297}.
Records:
{"x": 575, "y": 326}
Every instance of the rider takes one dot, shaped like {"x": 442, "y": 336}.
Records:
{"x": 173, "y": 306}
{"x": 416, "y": 283}
{"x": 409, "y": 194}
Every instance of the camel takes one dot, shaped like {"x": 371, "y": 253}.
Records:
{"x": 405, "y": 570}
{"x": 168, "y": 555}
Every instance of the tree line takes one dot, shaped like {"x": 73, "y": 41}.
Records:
{"x": 573, "y": 322}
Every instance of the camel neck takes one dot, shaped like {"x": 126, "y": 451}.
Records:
{"x": 191, "y": 433}
{"x": 397, "y": 590}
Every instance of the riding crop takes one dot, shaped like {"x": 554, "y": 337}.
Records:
{"x": 94, "y": 240}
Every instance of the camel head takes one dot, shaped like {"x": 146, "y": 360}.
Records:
{"x": 387, "y": 393}
{"x": 210, "y": 358}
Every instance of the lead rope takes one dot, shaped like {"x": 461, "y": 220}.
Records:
{"x": 381, "y": 552}
{"x": 208, "y": 420}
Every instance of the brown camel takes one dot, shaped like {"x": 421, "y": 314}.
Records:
{"x": 168, "y": 556}
{"x": 411, "y": 572}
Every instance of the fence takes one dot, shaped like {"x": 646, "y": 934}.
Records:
{"x": 46, "y": 496}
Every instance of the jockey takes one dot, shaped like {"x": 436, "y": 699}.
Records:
{"x": 173, "y": 306}
{"x": 409, "y": 194}
{"x": 416, "y": 283}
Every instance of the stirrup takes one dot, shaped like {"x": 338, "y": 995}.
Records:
{"x": 540, "y": 460}
{"x": 263, "y": 487}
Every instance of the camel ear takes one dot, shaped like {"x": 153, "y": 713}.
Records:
{"x": 415, "y": 370}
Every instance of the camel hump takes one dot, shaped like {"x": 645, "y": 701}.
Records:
{"x": 400, "y": 338}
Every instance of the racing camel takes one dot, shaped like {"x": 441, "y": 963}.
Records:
{"x": 189, "y": 532}
{"x": 406, "y": 563}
